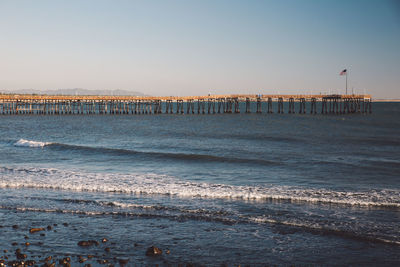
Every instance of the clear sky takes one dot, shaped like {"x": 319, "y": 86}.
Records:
{"x": 200, "y": 47}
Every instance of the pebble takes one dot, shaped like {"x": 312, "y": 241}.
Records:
{"x": 30, "y": 262}
{"x": 82, "y": 259}
{"x": 153, "y": 251}
{"x": 102, "y": 261}
{"x": 21, "y": 256}
{"x": 34, "y": 230}
{"x": 88, "y": 243}
{"x": 123, "y": 262}
{"x": 47, "y": 264}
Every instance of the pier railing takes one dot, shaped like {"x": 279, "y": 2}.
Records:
{"x": 13, "y": 104}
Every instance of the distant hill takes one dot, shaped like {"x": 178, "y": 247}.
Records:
{"x": 75, "y": 91}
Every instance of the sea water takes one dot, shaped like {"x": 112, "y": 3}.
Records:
{"x": 236, "y": 189}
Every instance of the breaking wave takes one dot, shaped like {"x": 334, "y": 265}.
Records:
{"x": 29, "y": 143}
{"x": 150, "y": 183}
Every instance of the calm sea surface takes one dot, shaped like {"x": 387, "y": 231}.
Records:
{"x": 228, "y": 188}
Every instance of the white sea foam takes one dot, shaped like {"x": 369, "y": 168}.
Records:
{"x": 29, "y": 143}
{"x": 166, "y": 185}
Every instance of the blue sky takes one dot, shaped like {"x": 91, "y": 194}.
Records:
{"x": 199, "y": 47}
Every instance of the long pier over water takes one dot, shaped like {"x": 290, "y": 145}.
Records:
{"x": 12, "y": 104}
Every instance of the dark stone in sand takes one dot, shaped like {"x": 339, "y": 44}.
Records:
{"x": 34, "y": 230}
{"x": 47, "y": 264}
{"x": 65, "y": 262}
{"x": 123, "y": 262}
{"x": 107, "y": 249}
{"x": 88, "y": 243}
{"x": 104, "y": 240}
{"x": 20, "y": 256}
{"x": 82, "y": 259}
{"x": 15, "y": 226}
{"x": 15, "y": 263}
{"x": 153, "y": 251}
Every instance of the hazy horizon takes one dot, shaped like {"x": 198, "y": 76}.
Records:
{"x": 201, "y": 47}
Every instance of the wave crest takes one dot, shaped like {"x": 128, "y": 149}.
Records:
{"x": 149, "y": 183}
{"x": 30, "y": 143}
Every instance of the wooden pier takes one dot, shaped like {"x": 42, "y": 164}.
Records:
{"x": 12, "y": 104}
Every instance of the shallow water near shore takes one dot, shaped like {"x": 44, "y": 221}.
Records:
{"x": 211, "y": 189}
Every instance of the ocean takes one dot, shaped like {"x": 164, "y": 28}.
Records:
{"x": 208, "y": 190}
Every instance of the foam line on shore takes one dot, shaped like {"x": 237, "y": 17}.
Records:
{"x": 150, "y": 183}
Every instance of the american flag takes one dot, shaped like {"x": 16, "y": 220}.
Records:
{"x": 344, "y": 72}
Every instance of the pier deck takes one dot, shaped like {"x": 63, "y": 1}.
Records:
{"x": 14, "y": 104}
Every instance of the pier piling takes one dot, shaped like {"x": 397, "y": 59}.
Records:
{"x": 102, "y": 105}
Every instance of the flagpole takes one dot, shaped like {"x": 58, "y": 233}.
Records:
{"x": 347, "y": 72}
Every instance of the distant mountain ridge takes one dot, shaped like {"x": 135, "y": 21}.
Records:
{"x": 75, "y": 91}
